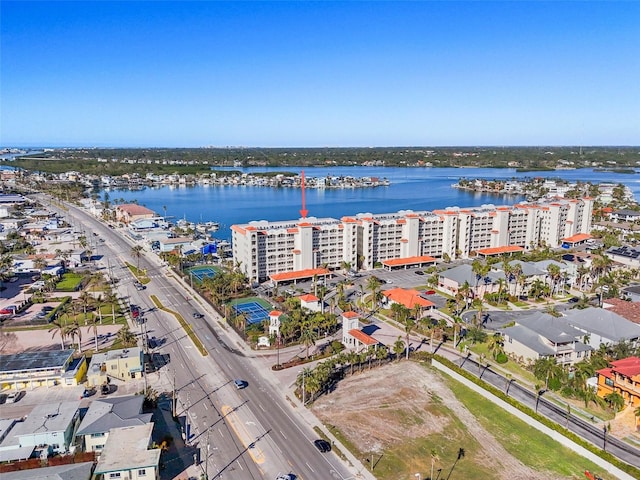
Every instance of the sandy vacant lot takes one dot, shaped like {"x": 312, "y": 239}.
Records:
{"x": 34, "y": 340}
{"x": 372, "y": 408}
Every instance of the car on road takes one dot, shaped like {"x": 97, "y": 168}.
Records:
{"x": 197, "y": 315}
{"x": 104, "y": 389}
{"x": 88, "y": 392}
{"x": 139, "y": 286}
{"x": 322, "y": 445}
{"x": 429, "y": 292}
{"x": 240, "y": 384}
{"x": 286, "y": 476}
{"x": 13, "y": 397}
{"x": 574, "y": 300}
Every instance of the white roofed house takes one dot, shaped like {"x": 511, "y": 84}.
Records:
{"x": 127, "y": 454}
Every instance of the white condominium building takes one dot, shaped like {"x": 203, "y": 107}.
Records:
{"x": 365, "y": 240}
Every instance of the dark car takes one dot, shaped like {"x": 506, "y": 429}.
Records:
{"x": 322, "y": 445}
{"x": 197, "y": 315}
{"x": 88, "y": 392}
{"x": 419, "y": 272}
{"x": 240, "y": 384}
{"x": 104, "y": 389}
{"x": 574, "y": 300}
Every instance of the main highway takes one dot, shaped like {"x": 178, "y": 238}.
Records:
{"x": 250, "y": 433}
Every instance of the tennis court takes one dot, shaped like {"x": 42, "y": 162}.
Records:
{"x": 200, "y": 273}
{"x": 253, "y": 312}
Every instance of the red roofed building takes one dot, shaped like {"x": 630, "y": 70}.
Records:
{"x": 352, "y": 336}
{"x": 310, "y": 302}
{"x": 275, "y": 317}
{"x": 622, "y": 377}
{"x": 129, "y": 212}
{"x": 407, "y": 298}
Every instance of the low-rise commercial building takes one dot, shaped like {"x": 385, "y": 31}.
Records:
{"x": 122, "y": 364}
{"x": 46, "y": 368}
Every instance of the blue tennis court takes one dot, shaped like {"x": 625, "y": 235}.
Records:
{"x": 253, "y": 312}
{"x": 200, "y": 273}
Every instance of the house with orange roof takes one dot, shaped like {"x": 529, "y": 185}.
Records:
{"x": 310, "y": 302}
{"x": 352, "y": 336}
{"x": 408, "y": 298}
{"x": 622, "y": 377}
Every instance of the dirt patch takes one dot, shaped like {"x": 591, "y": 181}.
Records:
{"x": 382, "y": 409}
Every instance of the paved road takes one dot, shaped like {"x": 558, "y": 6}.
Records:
{"x": 252, "y": 433}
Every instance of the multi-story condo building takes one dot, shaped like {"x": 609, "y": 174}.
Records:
{"x": 366, "y": 240}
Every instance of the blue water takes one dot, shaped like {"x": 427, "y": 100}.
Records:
{"x": 410, "y": 189}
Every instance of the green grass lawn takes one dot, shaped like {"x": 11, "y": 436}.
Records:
{"x": 69, "y": 282}
{"x": 531, "y": 447}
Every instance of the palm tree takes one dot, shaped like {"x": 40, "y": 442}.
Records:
{"x": 381, "y": 353}
{"x": 480, "y": 269}
{"x": 85, "y": 300}
{"x": 126, "y": 337}
{"x": 94, "y": 326}
{"x": 99, "y": 303}
{"x": 73, "y": 330}
{"x": 554, "y": 274}
{"x": 434, "y": 459}
{"x": 398, "y": 347}
{"x": 373, "y": 284}
{"x": 615, "y": 401}
{"x": 461, "y": 454}
{"x": 136, "y": 252}
{"x": 308, "y": 336}
{"x": 58, "y": 328}
{"x": 111, "y": 298}
{"x": 495, "y": 345}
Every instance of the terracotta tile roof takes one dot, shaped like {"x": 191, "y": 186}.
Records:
{"x": 578, "y": 237}
{"x": 309, "y": 298}
{"x": 238, "y": 229}
{"x": 628, "y": 310}
{"x": 308, "y": 273}
{"x": 408, "y": 298}
{"x": 394, "y": 262}
{"x": 275, "y": 313}
{"x": 629, "y": 367}
{"x": 350, "y": 314}
{"x": 606, "y": 372}
{"x": 363, "y": 337}
{"x": 500, "y": 250}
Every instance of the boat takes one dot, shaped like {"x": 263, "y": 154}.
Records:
{"x": 208, "y": 227}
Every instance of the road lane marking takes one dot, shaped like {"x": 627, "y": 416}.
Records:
{"x": 243, "y": 434}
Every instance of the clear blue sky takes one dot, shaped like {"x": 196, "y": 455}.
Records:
{"x": 319, "y": 73}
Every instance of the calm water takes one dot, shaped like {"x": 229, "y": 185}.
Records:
{"x": 410, "y": 189}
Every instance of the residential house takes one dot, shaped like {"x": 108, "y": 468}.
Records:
{"x": 71, "y": 471}
{"x": 408, "y": 298}
{"x": 624, "y": 308}
{"x": 48, "y": 429}
{"x": 107, "y": 413}
{"x": 176, "y": 243}
{"x": 624, "y": 215}
{"x": 122, "y": 364}
{"x": 127, "y": 454}
{"x": 452, "y": 280}
{"x": 532, "y": 338}
{"x": 625, "y": 255}
{"x": 603, "y": 326}
{"x": 622, "y": 377}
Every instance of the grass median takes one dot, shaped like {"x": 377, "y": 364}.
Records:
{"x": 186, "y": 326}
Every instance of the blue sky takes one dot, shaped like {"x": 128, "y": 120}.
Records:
{"x": 296, "y": 74}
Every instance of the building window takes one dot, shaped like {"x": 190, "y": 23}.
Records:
{"x": 97, "y": 435}
{"x": 142, "y": 472}
{"x": 114, "y": 475}
{"x": 608, "y": 382}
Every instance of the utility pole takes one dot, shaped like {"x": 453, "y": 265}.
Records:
{"x": 173, "y": 399}
{"x": 206, "y": 460}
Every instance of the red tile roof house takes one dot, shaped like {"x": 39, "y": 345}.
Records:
{"x": 352, "y": 336}
{"x": 622, "y": 377}
{"x": 310, "y": 302}
{"x": 128, "y": 212}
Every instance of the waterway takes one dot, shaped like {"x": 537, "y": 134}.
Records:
{"x": 410, "y": 189}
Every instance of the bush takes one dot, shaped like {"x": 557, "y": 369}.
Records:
{"x": 502, "y": 358}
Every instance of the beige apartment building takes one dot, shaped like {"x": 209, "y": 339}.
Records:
{"x": 366, "y": 240}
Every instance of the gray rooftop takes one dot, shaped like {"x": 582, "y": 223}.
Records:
{"x": 114, "y": 412}
{"x": 555, "y": 329}
{"x": 605, "y": 323}
{"x": 127, "y": 449}
{"x": 528, "y": 269}
{"x": 46, "y": 360}
{"x": 529, "y": 338}
{"x": 47, "y": 417}
{"x": 72, "y": 471}
{"x": 464, "y": 273}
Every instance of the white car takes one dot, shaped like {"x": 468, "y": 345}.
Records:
{"x": 13, "y": 397}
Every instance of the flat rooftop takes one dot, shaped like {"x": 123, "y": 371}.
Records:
{"x": 127, "y": 448}
{"x": 33, "y": 361}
